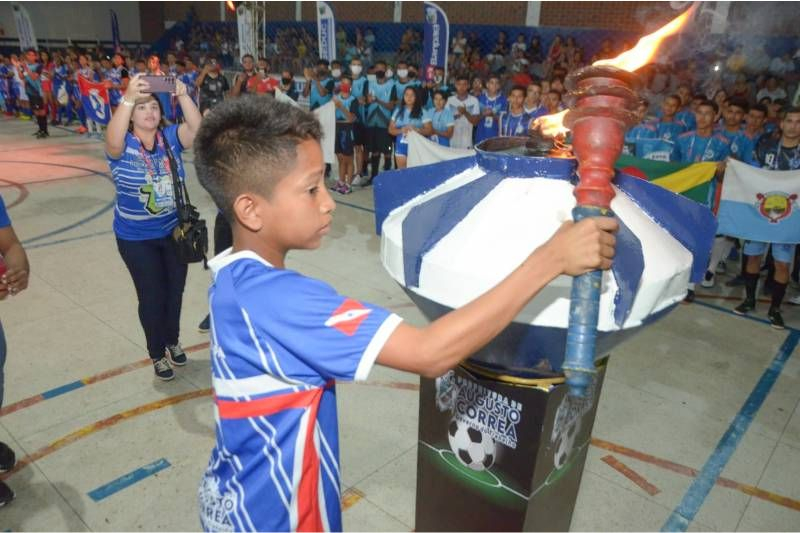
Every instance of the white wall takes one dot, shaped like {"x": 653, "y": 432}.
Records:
{"x": 74, "y": 20}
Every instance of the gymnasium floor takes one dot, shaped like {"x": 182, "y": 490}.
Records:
{"x": 703, "y": 398}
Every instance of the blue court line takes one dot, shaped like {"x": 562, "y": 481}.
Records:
{"x": 685, "y": 512}
{"x": 746, "y": 317}
{"x": 127, "y": 480}
{"x": 63, "y": 389}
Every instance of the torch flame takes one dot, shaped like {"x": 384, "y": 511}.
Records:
{"x": 641, "y": 54}
{"x": 551, "y": 125}
{"x": 630, "y": 60}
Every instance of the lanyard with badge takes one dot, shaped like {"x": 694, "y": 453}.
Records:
{"x": 163, "y": 192}
{"x": 703, "y": 153}
{"x": 793, "y": 162}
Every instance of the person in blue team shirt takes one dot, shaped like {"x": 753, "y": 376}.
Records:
{"x": 743, "y": 145}
{"x": 145, "y": 213}
{"x": 668, "y": 128}
{"x": 533, "y": 99}
{"x": 705, "y": 145}
{"x": 319, "y": 85}
{"x": 685, "y": 114}
{"x": 773, "y": 154}
{"x": 442, "y": 120}
{"x": 732, "y": 117}
{"x": 643, "y": 130}
{"x": 280, "y": 339}
{"x": 406, "y": 118}
{"x": 14, "y": 276}
{"x": 515, "y": 121}
{"x": 406, "y": 77}
{"x": 381, "y": 100}
{"x": 117, "y": 77}
{"x": 492, "y": 103}
{"x": 346, "y": 112}
{"x": 360, "y": 90}
{"x": 436, "y": 83}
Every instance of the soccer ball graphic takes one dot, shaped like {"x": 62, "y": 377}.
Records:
{"x": 564, "y": 438}
{"x": 473, "y": 448}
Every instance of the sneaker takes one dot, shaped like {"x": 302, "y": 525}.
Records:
{"x": 744, "y": 307}
{"x": 7, "y": 457}
{"x": 689, "y": 298}
{"x": 775, "y": 319}
{"x": 721, "y": 268}
{"x": 346, "y": 189}
{"x": 358, "y": 180}
{"x": 709, "y": 280}
{"x": 6, "y": 494}
{"x": 176, "y": 355}
{"x": 794, "y": 300}
{"x": 738, "y": 281}
{"x": 205, "y": 325}
{"x": 163, "y": 370}
{"x": 81, "y": 130}
{"x": 337, "y": 187}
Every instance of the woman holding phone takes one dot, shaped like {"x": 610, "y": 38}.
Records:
{"x": 138, "y": 149}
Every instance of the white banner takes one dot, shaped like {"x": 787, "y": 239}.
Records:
{"x": 422, "y": 151}
{"x": 247, "y": 37}
{"x": 27, "y": 38}
{"x": 326, "y": 115}
{"x": 326, "y": 31}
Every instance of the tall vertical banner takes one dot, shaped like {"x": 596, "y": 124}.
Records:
{"x": 115, "y": 32}
{"x": 27, "y": 38}
{"x": 247, "y": 36}
{"x": 326, "y": 31}
{"x": 436, "y": 40}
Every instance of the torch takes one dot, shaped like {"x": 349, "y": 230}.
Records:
{"x": 605, "y": 99}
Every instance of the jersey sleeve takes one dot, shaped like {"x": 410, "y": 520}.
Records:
{"x": 171, "y": 135}
{"x": 337, "y": 336}
{"x": 5, "y": 221}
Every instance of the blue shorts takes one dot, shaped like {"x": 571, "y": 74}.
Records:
{"x": 344, "y": 139}
{"x": 783, "y": 253}
{"x": 400, "y": 147}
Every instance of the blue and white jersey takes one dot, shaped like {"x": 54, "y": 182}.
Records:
{"x": 5, "y": 221}
{"x": 512, "y": 125}
{"x": 145, "y": 207}
{"x": 730, "y": 135}
{"x": 687, "y": 118}
{"x": 441, "y": 121}
{"x": 692, "y": 148}
{"x": 643, "y": 130}
{"x": 278, "y": 342}
{"x": 315, "y": 98}
{"x": 377, "y": 115}
{"x": 115, "y": 75}
{"x": 669, "y": 131}
{"x": 5, "y": 88}
{"x": 400, "y": 87}
{"x": 350, "y": 103}
{"x": 743, "y": 147}
{"x": 490, "y": 126}
{"x": 402, "y": 118}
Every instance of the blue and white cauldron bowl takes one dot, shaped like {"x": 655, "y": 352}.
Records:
{"x": 453, "y": 230}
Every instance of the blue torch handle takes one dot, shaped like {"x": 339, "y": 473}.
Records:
{"x": 584, "y": 309}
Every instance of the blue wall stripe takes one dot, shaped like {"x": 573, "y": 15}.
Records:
{"x": 127, "y": 480}
{"x": 698, "y": 491}
{"x": 63, "y": 389}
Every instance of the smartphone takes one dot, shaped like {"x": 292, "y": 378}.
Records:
{"x": 160, "y": 84}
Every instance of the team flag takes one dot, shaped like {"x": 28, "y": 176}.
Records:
{"x": 94, "y": 97}
{"x": 760, "y": 205}
{"x": 692, "y": 180}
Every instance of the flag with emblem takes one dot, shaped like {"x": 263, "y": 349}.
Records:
{"x": 94, "y": 97}
{"x": 348, "y": 317}
{"x": 760, "y": 205}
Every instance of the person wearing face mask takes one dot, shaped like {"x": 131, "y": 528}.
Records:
{"x": 381, "y": 100}
{"x": 336, "y": 73}
{"x": 243, "y": 78}
{"x": 262, "y": 82}
{"x": 404, "y": 79}
{"x": 346, "y": 112}
{"x": 288, "y": 86}
{"x": 319, "y": 85}
{"x": 360, "y": 90}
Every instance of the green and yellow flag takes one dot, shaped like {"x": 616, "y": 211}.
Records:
{"x": 692, "y": 180}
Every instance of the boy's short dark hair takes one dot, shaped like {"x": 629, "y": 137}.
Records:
{"x": 463, "y": 77}
{"x": 760, "y": 108}
{"x": 520, "y": 88}
{"x": 709, "y": 103}
{"x": 248, "y": 144}
{"x": 738, "y": 102}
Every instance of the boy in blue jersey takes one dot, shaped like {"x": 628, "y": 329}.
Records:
{"x": 668, "y": 128}
{"x": 492, "y": 103}
{"x": 732, "y": 117}
{"x": 515, "y": 122}
{"x": 643, "y": 130}
{"x": 281, "y": 339}
{"x": 743, "y": 145}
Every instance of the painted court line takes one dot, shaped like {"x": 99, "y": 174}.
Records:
{"x": 131, "y": 478}
{"x": 629, "y": 473}
{"x": 746, "y": 317}
{"x": 698, "y": 491}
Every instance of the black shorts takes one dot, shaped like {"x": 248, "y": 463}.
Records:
{"x": 379, "y": 141}
{"x": 344, "y": 139}
{"x": 359, "y": 134}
